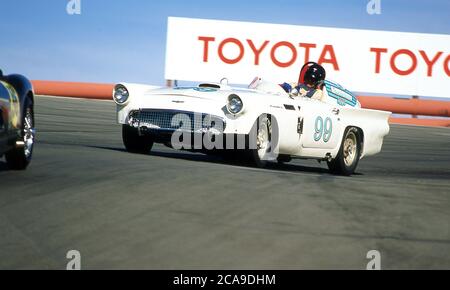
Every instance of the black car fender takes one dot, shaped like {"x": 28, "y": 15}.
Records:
{"x": 23, "y": 87}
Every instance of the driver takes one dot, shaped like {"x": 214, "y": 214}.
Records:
{"x": 310, "y": 83}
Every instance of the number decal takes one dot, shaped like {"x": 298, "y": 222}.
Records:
{"x": 328, "y": 130}
{"x": 323, "y": 130}
{"x": 318, "y": 129}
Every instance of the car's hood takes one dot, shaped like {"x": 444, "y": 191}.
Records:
{"x": 210, "y": 94}
{"x": 197, "y": 93}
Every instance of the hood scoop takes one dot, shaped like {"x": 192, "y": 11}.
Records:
{"x": 211, "y": 86}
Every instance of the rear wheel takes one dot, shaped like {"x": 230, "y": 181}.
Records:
{"x": 349, "y": 154}
{"x": 19, "y": 157}
{"x": 135, "y": 143}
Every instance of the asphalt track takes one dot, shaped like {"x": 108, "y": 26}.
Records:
{"x": 179, "y": 210}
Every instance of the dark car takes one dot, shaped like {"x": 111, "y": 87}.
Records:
{"x": 17, "y": 130}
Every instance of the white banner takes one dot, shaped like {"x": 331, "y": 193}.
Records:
{"x": 361, "y": 60}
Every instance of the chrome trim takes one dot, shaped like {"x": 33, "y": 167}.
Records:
{"x": 163, "y": 120}
{"x": 28, "y": 134}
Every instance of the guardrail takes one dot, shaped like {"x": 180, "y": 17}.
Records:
{"x": 72, "y": 89}
{"x": 397, "y": 106}
{"x": 407, "y": 106}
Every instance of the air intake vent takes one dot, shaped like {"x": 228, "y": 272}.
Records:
{"x": 213, "y": 86}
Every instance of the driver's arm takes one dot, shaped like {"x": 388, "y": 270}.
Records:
{"x": 318, "y": 94}
{"x": 287, "y": 87}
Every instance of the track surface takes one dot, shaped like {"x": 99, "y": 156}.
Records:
{"x": 177, "y": 210}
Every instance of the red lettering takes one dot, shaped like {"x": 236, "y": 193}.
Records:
{"x": 288, "y": 45}
{"x": 413, "y": 64}
{"x": 328, "y": 49}
{"x": 430, "y": 63}
{"x": 206, "y": 41}
{"x": 231, "y": 60}
{"x": 257, "y": 51}
{"x": 307, "y": 47}
{"x": 446, "y": 63}
{"x": 378, "y": 52}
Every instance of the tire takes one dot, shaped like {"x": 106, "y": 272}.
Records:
{"x": 262, "y": 134}
{"x": 20, "y": 157}
{"x": 349, "y": 154}
{"x": 135, "y": 143}
{"x": 284, "y": 159}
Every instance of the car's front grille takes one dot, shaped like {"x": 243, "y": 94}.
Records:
{"x": 171, "y": 120}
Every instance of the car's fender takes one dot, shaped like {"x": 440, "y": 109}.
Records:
{"x": 136, "y": 92}
{"x": 374, "y": 125}
{"x": 23, "y": 87}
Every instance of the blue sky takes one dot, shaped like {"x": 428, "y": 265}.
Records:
{"x": 118, "y": 40}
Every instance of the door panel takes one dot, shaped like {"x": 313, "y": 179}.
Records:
{"x": 322, "y": 126}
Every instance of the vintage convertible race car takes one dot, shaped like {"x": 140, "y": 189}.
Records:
{"x": 17, "y": 131}
{"x": 263, "y": 121}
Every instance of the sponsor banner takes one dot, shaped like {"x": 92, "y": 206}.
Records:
{"x": 360, "y": 60}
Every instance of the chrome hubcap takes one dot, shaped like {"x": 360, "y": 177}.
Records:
{"x": 350, "y": 149}
{"x": 28, "y": 134}
{"x": 262, "y": 140}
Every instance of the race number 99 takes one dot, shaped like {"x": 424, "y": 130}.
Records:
{"x": 323, "y": 130}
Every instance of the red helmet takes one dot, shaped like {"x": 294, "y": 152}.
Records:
{"x": 312, "y": 73}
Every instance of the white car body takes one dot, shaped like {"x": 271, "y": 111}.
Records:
{"x": 298, "y": 119}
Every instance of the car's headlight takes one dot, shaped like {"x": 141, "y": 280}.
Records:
{"x": 120, "y": 94}
{"x": 235, "y": 104}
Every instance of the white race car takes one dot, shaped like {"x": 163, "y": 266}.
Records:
{"x": 262, "y": 121}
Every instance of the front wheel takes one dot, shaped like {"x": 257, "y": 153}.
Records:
{"x": 349, "y": 154}
{"x": 262, "y": 141}
{"x": 19, "y": 157}
{"x": 135, "y": 143}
